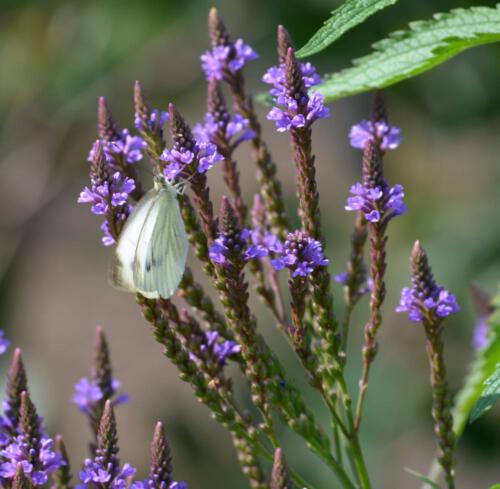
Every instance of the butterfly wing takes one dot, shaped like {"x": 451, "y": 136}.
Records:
{"x": 121, "y": 271}
{"x": 170, "y": 244}
{"x": 160, "y": 260}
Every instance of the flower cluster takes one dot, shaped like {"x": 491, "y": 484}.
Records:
{"x": 301, "y": 254}
{"x": 388, "y": 137}
{"x": 247, "y": 244}
{"x": 221, "y": 350}
{"x": 377, "y": 203}
{"x": 236, "y": 126}
{"x": 109, "y": 191}
{"x": 37, "y": 462}
{"x": 179, "y": 161}
{"x": 290, "y": 111}
{"x": 95, "y": 475}
{"x": 367, "y": 285}
{"x": 87, "y": 394}
{"x": 230, "y": 58}
{"x": 4, "y": 343}
{"x": 126, "y": 147}
{"x": 157, "y": 119}
{"x": 437, "y": 301}
{"x": 109, "y": 196}
{"x": 151, "y": 484}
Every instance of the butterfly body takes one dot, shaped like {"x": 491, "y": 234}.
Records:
{"x": 151, "y": 253}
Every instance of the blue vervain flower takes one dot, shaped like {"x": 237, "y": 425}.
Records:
{"x": 301, "y": 254}
{"x": 388, "y": 137}
{"x": 230, "y": 58}
{"x": 4, "y": 342}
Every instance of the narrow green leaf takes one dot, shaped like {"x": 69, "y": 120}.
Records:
{"x": 348, "y": 15}
{"x": 489, "y": 396}
{"x": 423, "y": 46}
{"x": 481, "y": 369}
{"x": 423, "y": 478}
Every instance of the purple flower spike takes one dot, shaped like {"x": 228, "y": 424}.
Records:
{"x": 237, "y": 126}
{"x": 375, "y": 202}
{"x": 109, "y": 191}
{"x": 38, "y": 463}
{"x": 94, "y": 475}
{"x": 251, "y": 244}
{"x": 157, "y": 118}
{"x": 231, "y": 58}
{"x": 301, "y": 254}
{"x": 289, "y": 113}
{"x": 439, "y": 303}
{"x": 88, "y": 394}
{"x": 204, "y": 153}
{"x": 4, "y": 343}
{"x": 389, "y": 137}
{"x": 425, "y": 300}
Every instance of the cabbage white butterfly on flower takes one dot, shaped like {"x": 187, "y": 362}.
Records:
{"x": 151, "y": 253}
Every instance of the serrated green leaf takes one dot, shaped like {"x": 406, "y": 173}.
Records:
{"x": 423, "y": 478}
{"x": 489, "y": 396}
{"x": 348, "y": 15}
{"x": 408, "y": 53}
{"x": 481, "y": 369}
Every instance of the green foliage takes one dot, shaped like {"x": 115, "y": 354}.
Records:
{"x": 496, "y": 486}
{"x": 348, "y": 15}
{"x": 489, "y": 396}
{"x": 423, "y": 46}
{"x": 482, "y": 368}
{"x": 423, "y": 478}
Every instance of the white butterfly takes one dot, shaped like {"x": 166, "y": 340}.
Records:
{"x": 151, "y": 253}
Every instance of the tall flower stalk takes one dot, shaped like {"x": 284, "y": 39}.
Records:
{"x": 429, "y": 304}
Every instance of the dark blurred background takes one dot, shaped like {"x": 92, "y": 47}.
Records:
{"x": 57, "y": 57}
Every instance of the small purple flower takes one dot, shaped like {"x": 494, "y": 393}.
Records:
{"x": 157, "y": 119}
{"x": 222, "y": 58}
{"x": 237, "y": 125}
{"x": 301, "y": 254}
{"x": 221, "y": 349}
{"x": 38, "y": 462}
{"x": 178, "y": 485}
{"x": 276, "y": 76}
{"x": 480, "y": 338}
{"x": 389, "y": 137}
{"x": 208, "y": 156}
{"x": 439, "y": 302}
{"x": 205, "y": 153}
{"x": 94, "y": 475}
{"x": 288, "y": 113}
{"x": 250, "y": 245}
{"x": 343, "y": 279}
{"x": 88, "y": 394}
{"x": 127, "y": 146}
{"x": 376, "y": 203}
{"x": 109, "y": 197}
{"x": 4, "y": 342}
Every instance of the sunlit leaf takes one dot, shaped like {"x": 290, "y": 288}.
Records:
{"x": 348, "y": 15}
{"x": 423, "y": 46}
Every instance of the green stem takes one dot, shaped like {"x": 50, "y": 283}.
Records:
{"x": 355, "y": 446}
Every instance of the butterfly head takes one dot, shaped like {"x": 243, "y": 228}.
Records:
{"x": 161, "y": 181}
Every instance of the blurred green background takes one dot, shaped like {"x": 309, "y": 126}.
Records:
{"x": 57, "y": 57}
